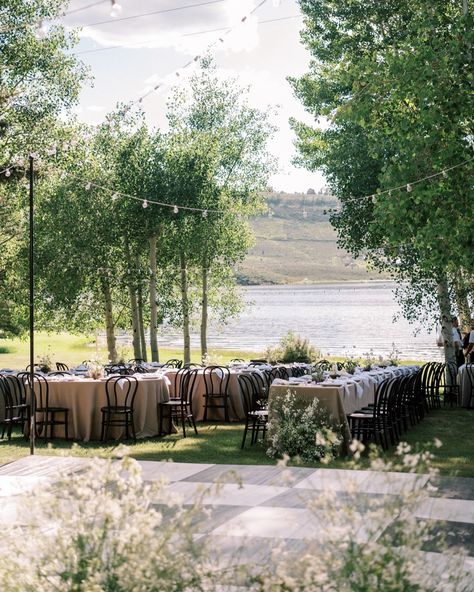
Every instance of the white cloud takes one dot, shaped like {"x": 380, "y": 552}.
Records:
{"x": 182, "y": 30}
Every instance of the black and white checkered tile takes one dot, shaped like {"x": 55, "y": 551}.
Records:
{"x": 256, "y": 506}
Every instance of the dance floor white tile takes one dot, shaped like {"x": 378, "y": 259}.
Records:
{"x": 154, "y": 471}
{"x": 454, "y": 510}
{"x": 226, "y": 494}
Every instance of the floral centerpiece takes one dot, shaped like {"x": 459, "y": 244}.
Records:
{"x": 44, "y": 363}
{"x": 96, "y": 369}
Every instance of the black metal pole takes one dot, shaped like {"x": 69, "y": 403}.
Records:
{"x": 32, "y": 316}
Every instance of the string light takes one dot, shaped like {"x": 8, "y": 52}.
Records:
{"x": 40, "y": 32}
{"x": 115, "y": 196}
{"x": 204, "y": 214}
{"x": 145, "y": 204}
{"x": 175, "y": 209}
{"x": 116, "y": 9}
{"x": 409, "y": 186}
{"x": 88, "y": 186}
{"x": 8, "y": 173}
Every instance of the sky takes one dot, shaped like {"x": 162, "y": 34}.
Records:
{"x": 128, "y": 56}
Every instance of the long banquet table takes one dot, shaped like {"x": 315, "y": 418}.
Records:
{"x": 84, "y": 398}
{"x": 340, "y": 396}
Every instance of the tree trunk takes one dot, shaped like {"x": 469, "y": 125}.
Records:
{"x": 140, "y": 323}
{"x": 185, "y": 306}
{"x": 109, "y": 321}
{"x": 204, "y": 310}
{"x": 137, "y": 353}
{"x": 461, "y": 291}
{"x": 155, "y": 355}
{"x": 445, "y": 319}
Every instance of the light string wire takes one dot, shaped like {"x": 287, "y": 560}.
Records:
{"x": 144, "y": 14}
{"x": 190, "y": 34}
{"x": 175, "y": 207}
{"x": 407, "y": 186}
{"x": 177, "y": 73}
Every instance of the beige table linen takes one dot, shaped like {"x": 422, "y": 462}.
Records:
{"x": 464, "y": 385}
{"x": 84, "y": 398}
{"x": 236, "y": 406}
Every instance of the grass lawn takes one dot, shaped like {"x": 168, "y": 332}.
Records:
{"x": 220, "y": 444}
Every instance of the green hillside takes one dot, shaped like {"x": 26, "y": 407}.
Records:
{"x": 296, "y": 244}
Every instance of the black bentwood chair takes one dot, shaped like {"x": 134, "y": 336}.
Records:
{"x": 120, "y": 392}
{"x": 216, "y": 381}
{"x": 61, "y": 367}
{"x": 180, "y": 407}
{"x": 256, "y": 413}
{"x": 17, "y": 410}
{"x": 48, "y": 414}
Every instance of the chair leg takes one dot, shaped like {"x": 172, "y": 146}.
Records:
{"x": 132, "y": 425}
{"x": 183, "y": 421}
{"x": 226, "y": 408}
{"x": 245, "y": 433}
{"x": 66, "y": 425}
{"x": 205, "y": 409}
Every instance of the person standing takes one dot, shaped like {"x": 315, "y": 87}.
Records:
{"x": 457, "y": 342}
{"x": 470, "y": 345}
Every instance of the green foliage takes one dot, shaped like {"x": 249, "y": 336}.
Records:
{"x": 390, "y": 92}
{"x": 292, "y": 348}
{"x": 307, "y": 432}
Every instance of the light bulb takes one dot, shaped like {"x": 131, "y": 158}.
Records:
{"x": 175, "y": 210}
{"x": 204, "y": 214}
{"x": 144, "y": 204}
{"x": 116, "y": 9}
{"x": 40, "y": 32}
{"x": 445, "y": 174}
{"x": 8, "y": 173}
{"x": 409, "y": 188}
{"x": 88, "y": 186}
{"x": 115, "y": 197}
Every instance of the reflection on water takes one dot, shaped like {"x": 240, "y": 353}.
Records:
{"x": 342, "y": 319}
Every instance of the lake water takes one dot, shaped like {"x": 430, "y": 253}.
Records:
{"x": 342, "y": 319}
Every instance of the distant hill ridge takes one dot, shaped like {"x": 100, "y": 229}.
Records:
{"x": 296, "y": 244}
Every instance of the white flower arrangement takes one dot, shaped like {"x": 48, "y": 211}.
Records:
{"x": 306, "y": 432}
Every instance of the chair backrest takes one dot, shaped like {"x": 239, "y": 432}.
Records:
{"x": 135, "y": 361}
{"x": 238, "y": 360}
{"x": 121, "y": 391}
{"x": 121, "y": 369}
{"x": 249, "y": 392}
{"x": 16, "y": 389}
{"x": 216, "y": 380}
{"x": 61, "y": 367}
{"x": 139, "y": 369}
{"x": 283, "y": 373}
{"x": 41, "y": 388}
{"x": 174, "y": 363}
{"x": 188, "y": 382}
{"x": 261, "y": 384}
{"x": 323, "y": 365}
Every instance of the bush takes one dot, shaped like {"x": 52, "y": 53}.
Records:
{"x": 305, "y": 432}
{"x": 292, "y": 348}
{"x": 5, "y": 350}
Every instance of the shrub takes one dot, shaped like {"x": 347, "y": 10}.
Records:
{"x": 292, "y": 348}
{"x": 5, "y": 350}
{"x": 307, "y": 432}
